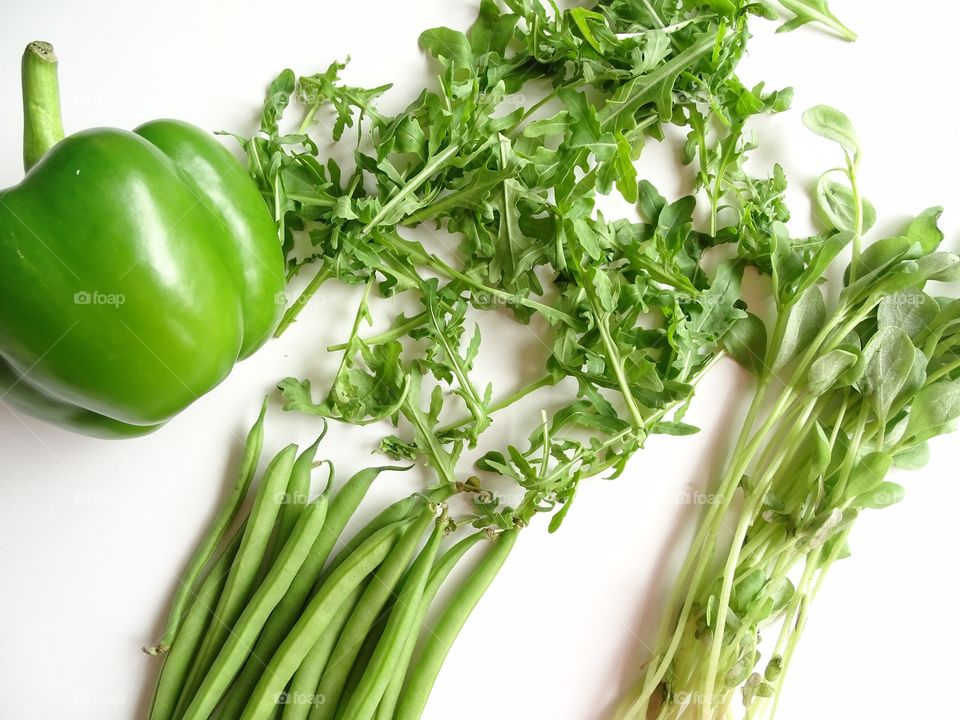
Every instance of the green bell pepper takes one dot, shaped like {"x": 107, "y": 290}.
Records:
{"x": 135, "y": 268}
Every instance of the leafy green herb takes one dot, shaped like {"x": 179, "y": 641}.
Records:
{"x": 633, "y": 318}
{"x": 861, "y": 387}
{"x": 814, "y": 11}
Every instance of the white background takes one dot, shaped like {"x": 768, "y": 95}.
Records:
{"x": 93, "y": 533}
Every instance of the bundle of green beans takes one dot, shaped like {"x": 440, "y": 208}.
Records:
{"x": 272, "y": 626}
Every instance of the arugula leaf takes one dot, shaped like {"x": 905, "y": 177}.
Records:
{"x": 814, "y": 11}
{"x": 448, "y": 45}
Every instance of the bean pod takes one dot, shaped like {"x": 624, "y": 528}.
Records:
{"x": 215, "y": 534}
{"x": 315, "y": 620}
{"x": 414, "y": 698}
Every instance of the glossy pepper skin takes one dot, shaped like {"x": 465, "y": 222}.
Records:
{"x": 135, "y": 269}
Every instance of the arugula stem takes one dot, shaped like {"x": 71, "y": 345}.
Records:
{"x": 613, "y": 353}
{"x": 810, "y": 10}
{"x": 278, "y": 212}
{"x": 483, "y": 147}
{"x": 442, "y": 268}
{"x": 608, "y": 116}
{"x": 542, "y": 382}
{"x": 428, "y": 170}
{"x": 451, "y": 201}
{"x": 354, "y": 330}
{"x": 653, "y": 14}
{"x": 312, "y": 201}
{"x": 308, "y": 118}
{"x": 468, "y": 392}
{"x": 617, "y": 438}
{"x": 394, "y": 333}
{"x": 324, "y": 273}
{"x": 429, "y": 444}
{"x": 517, "y": 131}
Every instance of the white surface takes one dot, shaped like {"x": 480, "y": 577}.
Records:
{"x": 92, "y": 534}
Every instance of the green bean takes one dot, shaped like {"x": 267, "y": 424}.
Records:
{"x": 367, "y": 648}
{"x": 342, "y": 507}
{"x": 296, "y": 497}
{"x": 365, "y": 615}
{"x": 245, "y": 632}
{"x": 177, "y": 663}
{"x": 243, "y": 574}
{"x": 397, "y": 511}
{"x": 364, "y": 656}
{"x": 292, "y": 504}
{"x": 442, "y": 570}
{"x": 315, "y": 620}
{"x": 295, "y": 709}
{"x": 214, "y": 535}
{"x": 378, "y": 671}
{"x": 414, "y": 697}
{"x": 308, "y": 675}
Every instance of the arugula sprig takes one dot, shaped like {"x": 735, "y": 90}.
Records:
{"x": 814, "y": 11}
{"x": 510, "y": 186}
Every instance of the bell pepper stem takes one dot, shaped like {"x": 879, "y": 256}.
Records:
{"x": 42, "y": 124}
